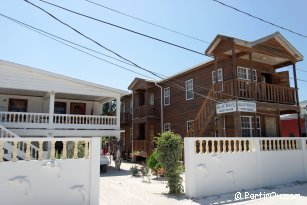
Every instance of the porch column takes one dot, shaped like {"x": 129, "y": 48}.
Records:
{"x": 51, "y": 106}
{"x": 234, "y": 72}
{"x": 118, "y": 112}
{"x": 297, "y": 100}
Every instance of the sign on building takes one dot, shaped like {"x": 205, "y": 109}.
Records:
{"x": 233, "y": 106}
{"x": 246, "y": 106}
{"x": 230, "y": 106}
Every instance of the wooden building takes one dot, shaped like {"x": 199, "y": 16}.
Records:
{"x": 240, "y": 70}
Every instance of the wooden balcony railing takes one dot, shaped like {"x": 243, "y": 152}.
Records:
{"x": 146, "y": 110}
{"x": 256, "y": 90}
{"x": 125, "y": 117}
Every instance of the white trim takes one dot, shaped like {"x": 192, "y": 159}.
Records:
{"x": 189, "y": 126}
{"x": 169, "y": 96}
{"x": 167, "y": 127}
{"x": 189, "y": 88}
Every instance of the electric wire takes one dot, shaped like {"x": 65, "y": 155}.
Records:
{"x": 260, "y": 19}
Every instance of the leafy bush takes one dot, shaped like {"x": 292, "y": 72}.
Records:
{"x": 169, "y": 153}
{"x": 153, "y": 162}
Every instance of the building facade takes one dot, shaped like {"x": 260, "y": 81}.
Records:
{"x": 242, "y": 71}
{"x": 35, "y": 103}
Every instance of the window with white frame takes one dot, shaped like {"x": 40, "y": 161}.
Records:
{"x": 167, "y": 127}
{"x": 167, "y": 96}
{"x": 189, "y": 93}
{"x": 247, "y": 126}
{"x": 213, "y": 77}
{"x": 190, "y": 125}
{"x": 246, "y": 74}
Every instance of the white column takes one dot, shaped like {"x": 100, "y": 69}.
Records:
{"x": 118, "y": 113}
{"x": 51, "y": 107}
{"x": 95, "y": 170}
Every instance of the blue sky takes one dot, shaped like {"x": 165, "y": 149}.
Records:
{"x": 203, "y": 19}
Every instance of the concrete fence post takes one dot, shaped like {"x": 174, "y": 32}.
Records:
{"x": 304, "y": 153}
{"x": 190, "y": 166}
{"x": 94, "y": 170}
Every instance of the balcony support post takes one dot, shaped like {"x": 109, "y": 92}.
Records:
{"x": 51, "y": 107}
{"x": 297, "y": 100}
{"x": 118, "y": 105}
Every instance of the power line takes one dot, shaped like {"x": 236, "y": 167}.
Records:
{"x": 46, "y": 34}
{"x": 147, "y": 22}
{"x": 153, "y": 73}
{"x": 117, "y": 26}
{"x": 261, "y": 19}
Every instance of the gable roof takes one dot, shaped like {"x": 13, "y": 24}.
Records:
{"x": 277, "y": 36}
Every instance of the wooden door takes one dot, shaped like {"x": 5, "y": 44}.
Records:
{"x": 270, "y": 127}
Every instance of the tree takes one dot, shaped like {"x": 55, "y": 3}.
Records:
{"x": 109, "y": 108}
{"x": 169, "y": 147}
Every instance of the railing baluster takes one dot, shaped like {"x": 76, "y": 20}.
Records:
{"x": 1, "y": 150}
{"x": 40, "y": 150}
{"x": 76, "y": 150}
{"x": 15, "y": 151}
{"x": 86, "y": 152}
{"x": 52, "y": 154}
{"x": 28, "y": 151}
{"x": 64, "y": 153}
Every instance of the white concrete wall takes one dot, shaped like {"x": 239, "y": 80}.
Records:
{"x": 218, "y": 171}
{"x": 65, "y": 182}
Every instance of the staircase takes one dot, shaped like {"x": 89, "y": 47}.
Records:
{"x": 8, "y": 147}
{"x": 204, "y": 117}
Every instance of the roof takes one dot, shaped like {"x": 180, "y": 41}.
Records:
{"x": 188, "y": 70}
{"x": 11, "y": 69}
{"x": 142, "y": 81}
{"x": 277, "y": 36}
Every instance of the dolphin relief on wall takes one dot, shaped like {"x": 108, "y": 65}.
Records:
{"x": 23, "y": 182}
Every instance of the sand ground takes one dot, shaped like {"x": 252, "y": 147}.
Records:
{"x": 117, "y": 187}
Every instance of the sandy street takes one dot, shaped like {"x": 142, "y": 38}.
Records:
{"x": 119, "y": 188}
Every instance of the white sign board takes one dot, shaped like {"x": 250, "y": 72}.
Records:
{"x": 230, "y": 106}
{"x": 246, "y": 106}
{"x": 233, "y": 106}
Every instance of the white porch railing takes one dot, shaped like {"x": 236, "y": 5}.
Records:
{"x": 61, "y": 121}
{"x": 12, "y": 148}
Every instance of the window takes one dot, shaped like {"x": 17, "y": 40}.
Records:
{"x": 77, "y": 108}
{"x": 220, "y": 75}
{"x": 167, "y": 96}
{"x": 189, "y": 93}
{"x": 167, "y": 127}
{"x": 245, "y": 73}
{"x": 213, "y": 77}
{"x": 247, "y": 126}
{"x": 60, "y": 107}
{"x": 152, "y": 99}
{"x": 18, "y": 105}
{"x": 190, "y": 125}
{"x": 258, "y": 125}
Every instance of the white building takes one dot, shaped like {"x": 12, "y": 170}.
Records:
{"x": 39, "y": 109}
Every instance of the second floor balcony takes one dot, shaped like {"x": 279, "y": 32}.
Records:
{"x": 146, "y": 111}
{"x": 255, "y": 90}
{"x": 58, "y": 121}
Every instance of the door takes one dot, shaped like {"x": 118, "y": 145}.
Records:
{"x": 270, "y": 126}
{"x": 77, "y": 108}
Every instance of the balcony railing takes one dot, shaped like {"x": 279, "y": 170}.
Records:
{"x": 146, "y": 110}
{"x": 256, "y": 90}
{"x": 125, "y": 117}
{"x": 62, "y": 121}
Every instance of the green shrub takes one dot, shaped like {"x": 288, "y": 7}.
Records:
{"x": 153, "y": 162}
{"x": 169, "y": 148}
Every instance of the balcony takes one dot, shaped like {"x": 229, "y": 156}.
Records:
{"x": 125, "y": 118}
{"x": 258, "y": 91}
{"x": 59, "y": 121}
{"x": 146, "y": 111}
